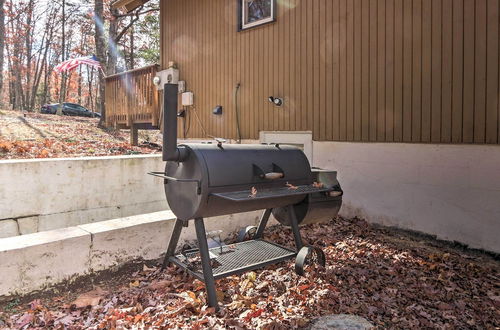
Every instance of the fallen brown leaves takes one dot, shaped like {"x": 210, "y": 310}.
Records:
{"x": 253, "y": 192}
{"x": 51, "y": 136}
{"x": 91, "y": 298}
{"x": 392, "y": 279}
{"x": 318, "y": 185}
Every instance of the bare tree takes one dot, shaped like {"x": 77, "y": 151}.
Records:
{"x": 16, "y": 54}
{"x": 35, "y": 37}
{"x": 62, "y": 91}
{"x": 132, "y": 46}
{"x": 118, "y": 30}
{"x": 29, "y": 51}
{"x": 100, "y": 54}
{"x": 112, "y": 48}
{"x": 42, "y": 56}
{"x": 2, "y": 47}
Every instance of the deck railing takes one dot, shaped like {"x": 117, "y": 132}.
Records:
{"x": 131, "y": 98}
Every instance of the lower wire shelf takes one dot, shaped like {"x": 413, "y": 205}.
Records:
{"x": 235, "y": 258}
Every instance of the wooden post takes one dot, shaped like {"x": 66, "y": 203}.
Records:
{"x": 134, "y": 135}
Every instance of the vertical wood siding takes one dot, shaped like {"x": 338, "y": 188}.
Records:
{"x": 348, "y": 70}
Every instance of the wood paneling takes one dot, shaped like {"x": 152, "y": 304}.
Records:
{"x": 458, "y": 69}
{"x": 468, "y": 64}
{"x": 492, "y": 74}
{"x": 446, "y": 73}
{"x": 348, "y": 70}
{"x": 398, "y": 71}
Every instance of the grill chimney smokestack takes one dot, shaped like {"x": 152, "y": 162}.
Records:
{"x": 170, "y": 150}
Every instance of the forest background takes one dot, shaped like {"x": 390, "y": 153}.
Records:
{"x": 36, "y": 35}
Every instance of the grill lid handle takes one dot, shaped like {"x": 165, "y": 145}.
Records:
{"x": 277, "y": 172}
{"x": 273, "y": 175}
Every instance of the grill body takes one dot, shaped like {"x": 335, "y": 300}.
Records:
{"x": 205, "y": 180}
{"x": 218, "y": 170}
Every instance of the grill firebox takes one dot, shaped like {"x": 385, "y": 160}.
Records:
{"x": 204, "y": 180}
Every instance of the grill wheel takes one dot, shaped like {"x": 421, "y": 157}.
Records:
{"x": 247, "y": 233}
{"x": 308, "y": 256}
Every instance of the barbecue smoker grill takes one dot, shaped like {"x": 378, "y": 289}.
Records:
{"x": 204, "y": 180}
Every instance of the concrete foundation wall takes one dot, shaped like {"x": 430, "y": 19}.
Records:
{"x": 451, "y": 191}
{"x": 38, "y": 195}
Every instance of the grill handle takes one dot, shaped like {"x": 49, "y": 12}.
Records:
{"x": 273, "y": 175}
{"x": 169, "y": 178}
{"x": 277, "y": 172}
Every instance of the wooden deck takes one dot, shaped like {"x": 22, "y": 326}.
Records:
{"x": 132, "y": 101}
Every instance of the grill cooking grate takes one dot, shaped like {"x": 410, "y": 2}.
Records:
{"x": 245, "y": 195}
{"x": 235, "y": 258}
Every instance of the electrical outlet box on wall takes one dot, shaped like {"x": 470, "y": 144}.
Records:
{"x": 171, "y": 76}
{"x": 187, "y": 99}
{"x": 182, "y": 86}
{"x": 168, "y": 76}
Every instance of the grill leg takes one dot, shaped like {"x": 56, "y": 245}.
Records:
{"x": 205, "y": 263}
{"x": 172, "y": 244}
{"x": 295, "y": 228}
{"x": 263, "y": 223}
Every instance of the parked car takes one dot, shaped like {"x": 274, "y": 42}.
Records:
{"x": 69, "y": 109}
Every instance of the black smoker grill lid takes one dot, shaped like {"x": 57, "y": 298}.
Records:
{"x": 245, "y": 195}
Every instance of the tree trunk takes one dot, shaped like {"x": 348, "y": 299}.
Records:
{"x": 80, "y": 78}
{"x": 16, "y": 57}
{"x": 41, "y": 65}
{"x": 113, "y": 48}
{"x": 90, "y": 79}
{"x": 132, "y": 46}
{"x": 2, "y": 47}
{"x": 10, "y": 81}
{"x": 62, "y": 93}
{"x": 45, "y": 84}
{"x": 100, "y": 54}
{"x": 29, "y": 50}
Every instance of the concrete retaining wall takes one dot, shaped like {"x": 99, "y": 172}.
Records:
{"x": 35, "y": 261}
{"x": 40, "y": 260}
{"x": 38, "y": 195}
{"x": 451, "y": 191}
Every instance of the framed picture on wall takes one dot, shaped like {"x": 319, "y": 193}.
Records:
{"x": 252, "y": 13}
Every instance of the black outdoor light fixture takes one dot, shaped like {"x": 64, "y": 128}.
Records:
{"x": 277, "y": 101}
{"x": 217, "y": 110}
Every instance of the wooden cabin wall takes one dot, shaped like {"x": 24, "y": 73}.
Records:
{"x": 348, "y": 70}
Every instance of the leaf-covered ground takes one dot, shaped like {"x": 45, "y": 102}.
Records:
{"x": 393, "y": 279}
{"x": 34, "y": 135}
